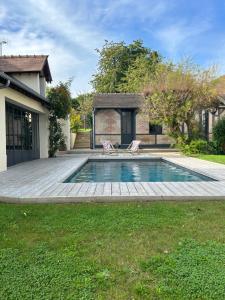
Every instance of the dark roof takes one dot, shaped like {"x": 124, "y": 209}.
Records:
{"x": 22, "y": 88}
{"x": 26, "y": 63}
{"x": 118, "y": 100}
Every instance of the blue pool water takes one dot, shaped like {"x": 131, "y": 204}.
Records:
{"x": 133, "y": 171}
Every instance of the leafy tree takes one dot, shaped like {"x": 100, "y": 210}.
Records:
{"x": 59, "y": 98}
{"x": 56, "y": 137}
{"x": 75, "y": 121}
{"x": 219, "y": 134}
{"x": 83, "y": 104}
{"x": 60, "y": 105}
{"x": 114, "y": 63}
{"x": 175, "y": 93}
{"x": 139, "y": 73}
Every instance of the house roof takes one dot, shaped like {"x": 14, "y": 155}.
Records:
{"x": 26, "y": 63}
{"x": 8, "y": 81}
{"x": 118, "y": 100}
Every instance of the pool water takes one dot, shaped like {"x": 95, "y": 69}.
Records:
{"x": 133, "y": 171}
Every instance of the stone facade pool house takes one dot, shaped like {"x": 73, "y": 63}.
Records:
{"x": 117, "y": 117}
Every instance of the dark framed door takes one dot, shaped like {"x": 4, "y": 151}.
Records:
{"x": 127, "y": 126}
{"x": 22, "y": 135}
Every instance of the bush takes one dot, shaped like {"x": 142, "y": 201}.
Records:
{"x": 199, "y": 146}
{"x": 56, "y": 137}
{"x": 219, "y": 134}
{"x": 60, "y": 106}
{"x": 195, "y": 147}
{"x": 75, "y": 122}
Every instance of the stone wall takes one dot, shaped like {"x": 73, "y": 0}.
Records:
{"x": 107, "y": 126}
{"x": 112, "y": 138}
{"x": 107, "y": 121}
{"x": 146, "y": 139}
{"x": 142, "y": 125}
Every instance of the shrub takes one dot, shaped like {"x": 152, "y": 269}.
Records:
{"x": 75, "y": 121}
{"x": 194, "y": 147}
{"x": 60, "y": 106}
{"x": 214, "y": 147}
{"x": 199, "y": 146}
{"x": 56, "y": 137}
{"x": 219, "y": 134}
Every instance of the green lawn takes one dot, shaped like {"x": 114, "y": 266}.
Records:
{"x": 163, "y": 250}
{"x": 211, "y": 157}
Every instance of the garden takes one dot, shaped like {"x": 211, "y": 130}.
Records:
{"x": 182, "y": 96}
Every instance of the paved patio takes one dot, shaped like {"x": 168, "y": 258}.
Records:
{"x": 41, "y": 181}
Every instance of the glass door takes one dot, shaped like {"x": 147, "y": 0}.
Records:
{"x": 127, "y": 126}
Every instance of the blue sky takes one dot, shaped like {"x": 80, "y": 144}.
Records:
{"x": 70, "y": 30}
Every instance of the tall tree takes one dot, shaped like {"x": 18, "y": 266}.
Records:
{"x": 176, "y": 93}
{"x": 60, "y": 105}
{"x": 139, "y": 73}
{"x": 114, "y": 63}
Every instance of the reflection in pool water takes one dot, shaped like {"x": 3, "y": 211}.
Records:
{"x": 133, "y": 171}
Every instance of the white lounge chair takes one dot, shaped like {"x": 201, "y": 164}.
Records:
{"x": 133, "y": 148}
{"x": 108, "y": 148}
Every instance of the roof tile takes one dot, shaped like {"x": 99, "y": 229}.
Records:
{"x": 25, "y": 63}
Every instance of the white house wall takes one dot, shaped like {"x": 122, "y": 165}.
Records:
{"x": 30, "y": 79}
{"x": 65, "y": 125}
{"x": 21, "y": 100}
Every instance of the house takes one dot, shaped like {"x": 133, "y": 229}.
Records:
{"x": 24, "y": 110}
{"x": 117, "y": 117}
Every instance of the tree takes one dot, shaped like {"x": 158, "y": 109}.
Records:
{"x": 83, "y": 104}
{"x": 75, "y": 121}
{"x": 59, "y": 98}
{"x": 176, "y": 92}
{"x": 219, "y": 134}
{"x": 114, "y": 63}
{"x": 139, "y": 73}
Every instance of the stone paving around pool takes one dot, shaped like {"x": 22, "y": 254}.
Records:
{"x": 41, "y": 181}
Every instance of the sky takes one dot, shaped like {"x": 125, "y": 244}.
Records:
{"x": 69, "y": 31}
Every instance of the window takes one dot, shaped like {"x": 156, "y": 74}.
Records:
{"x": 155, "y": 129}
{"x": 22, "y": 135}
{"x": 18, "y": 129}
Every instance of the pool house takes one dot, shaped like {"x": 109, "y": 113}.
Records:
{"x": 117, "y": 117}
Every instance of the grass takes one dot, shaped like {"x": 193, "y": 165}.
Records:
{"x": 213, "y": 157}
{"x": 113, "y": 251}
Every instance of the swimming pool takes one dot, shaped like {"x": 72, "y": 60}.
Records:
{"x": 134, "y": 170}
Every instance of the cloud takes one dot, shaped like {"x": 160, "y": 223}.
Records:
{"x": 131, "y": 11}
{"x": 45, "y": 29}
{"x": 3, "y": 13}
{"x": 179, "y": 38}
{"x": 69, "y": 31}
